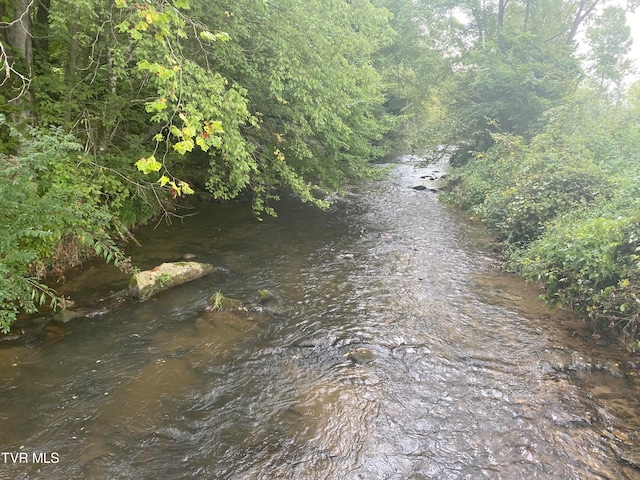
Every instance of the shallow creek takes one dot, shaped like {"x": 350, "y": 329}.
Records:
{"x": 472, "y": 377}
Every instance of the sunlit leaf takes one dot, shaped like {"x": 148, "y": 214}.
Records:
{"x": 184, "y": 146}
{"x": 148, "y": 165}
{"x": 189, "y": 132}
{"x": 186, "y": 189}
{"x": 206, "y": 35}
{"x": 124, "y": 26}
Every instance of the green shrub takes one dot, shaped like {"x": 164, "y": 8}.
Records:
{"x": 469, "y": 186}
{"x": 547, "y": 184}
{"x": 57, "y": 207}
{"x": 567, "y": 209}
{"x": 590, "y": 260}
{"x": 575, "y": 259}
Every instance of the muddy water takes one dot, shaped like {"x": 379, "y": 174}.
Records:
{"x": 472, "y": 377}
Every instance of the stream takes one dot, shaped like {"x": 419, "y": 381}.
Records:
{"x": 472, "y": 378}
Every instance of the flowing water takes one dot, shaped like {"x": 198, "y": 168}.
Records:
{"x": 465, "y": 383}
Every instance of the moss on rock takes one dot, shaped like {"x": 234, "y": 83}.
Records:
{"x": 143, "y": 285}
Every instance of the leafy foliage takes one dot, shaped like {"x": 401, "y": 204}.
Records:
{"x": 56, "y": 212}
{"x": 308, "y": 74}
{"x": 119, "y": 108}
{"x": 508, "y": 86}
{"x": 566, "y": 206}
{"x": 610, "y": 42}
{"x": 136, "y": 103}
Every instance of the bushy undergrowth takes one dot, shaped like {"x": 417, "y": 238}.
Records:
{"x": 566, "y": 207}
{"x": 56, "y": 208}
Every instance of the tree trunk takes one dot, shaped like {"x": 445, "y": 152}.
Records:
{"x": 18, "y": 34}
{"x": 41, "y": 33}
{"x": 18, "y": 54}
{"x": 584, "y": 10}
{"x": 527, "y": 12}
{"x": 502, "y": 4}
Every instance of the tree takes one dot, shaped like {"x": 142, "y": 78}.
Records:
{"x": 163, "y": 96}
{"x": 307, "y": 68}
{"x": 16, "y": 55}
{"x": 509, "y": 66}
{"x": 610, "y": 43}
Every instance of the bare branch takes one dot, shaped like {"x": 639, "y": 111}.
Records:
{"x": 6, "y": 65}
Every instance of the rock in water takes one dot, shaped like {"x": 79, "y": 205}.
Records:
{"x": 360, "y": 355}
{"x": 219, "y": 303}
{"x": 143, "y": 285}
{"x": 264, "y": 296}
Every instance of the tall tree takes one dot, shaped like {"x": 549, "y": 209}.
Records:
{"x": 307, "y": 68}
{"x": 511, "y": 65}
{"x": 610, "y": 42}
{"x": 16, "y": 53}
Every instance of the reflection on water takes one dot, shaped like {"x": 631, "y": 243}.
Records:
{"x": 467, "y": 380}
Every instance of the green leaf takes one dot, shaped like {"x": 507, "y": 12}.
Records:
{"x": 186, "y": 189}
{"x": 148, "y": 165}
{"x": 184, "y": 146}
{"x": 124, "y": 26}
{"x": 156, "y": 106}
{"x": 184, "y": 4}
{"x": 205, "y": 35}
{"x": 165, "y": 73}
{"x": 215, "y": 37}
{"x": 189, "y": 131}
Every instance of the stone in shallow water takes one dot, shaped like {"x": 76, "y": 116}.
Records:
{"x": 143, "y": 285}
{"x": 264, "y": 296}
{"x": 360, "y": 355}
{"x": 219, "y": 302}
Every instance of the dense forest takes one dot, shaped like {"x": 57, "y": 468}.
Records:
{"x": 114, "y": 112}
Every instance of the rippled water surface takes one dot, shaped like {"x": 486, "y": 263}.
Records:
{"x": 465, "y": 384}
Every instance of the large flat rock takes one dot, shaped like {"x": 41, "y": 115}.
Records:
{"x": 144, "y": 285}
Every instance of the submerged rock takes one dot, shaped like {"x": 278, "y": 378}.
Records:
{"x": 562, "y": 360}
{"x": 143, "y": 285}
{"x": 424, "y": 187}
{"x": 64, "y": 315}
{"x": 264, "y": 296}
{"x": 219, "y": 303}
{"x": 360, "y": 355}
